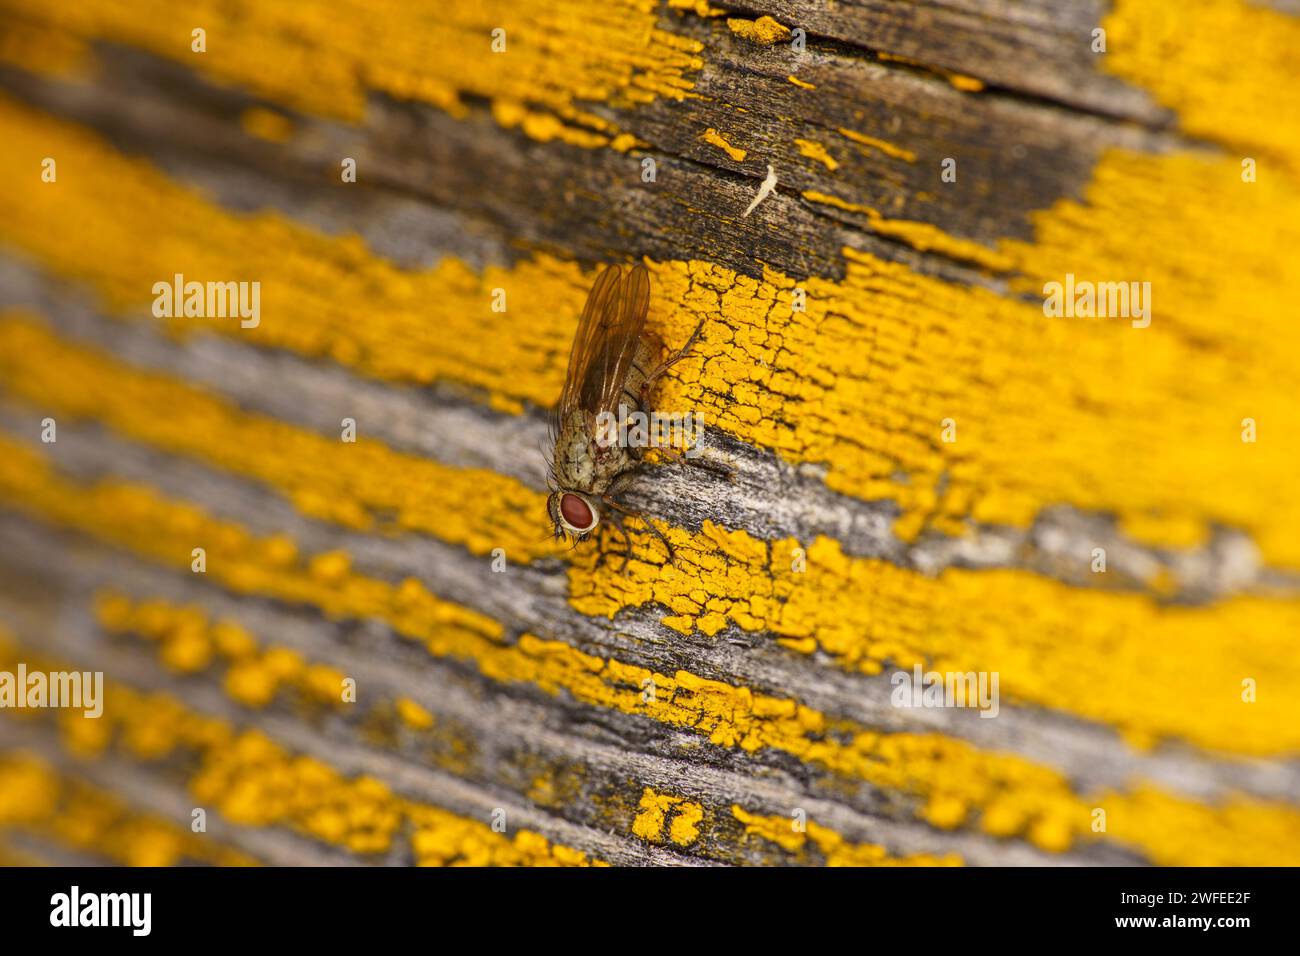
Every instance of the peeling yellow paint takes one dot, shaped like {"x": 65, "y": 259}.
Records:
{"x": 714, "y": 138}
{"x": 1127, "y": 422}
{"x": 1179, "y": 674}
{"x": 254, "y": 676}
{"x": 413, "y": 715}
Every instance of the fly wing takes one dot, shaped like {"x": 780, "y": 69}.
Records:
{"x": 606, "y": 342}
{"x": 602, "y": 294}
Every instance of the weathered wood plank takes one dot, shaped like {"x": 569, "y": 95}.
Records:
{"x": 683, "y": 712}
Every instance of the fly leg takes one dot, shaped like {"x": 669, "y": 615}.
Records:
{"x": 668, "y": 363}
{"x": 621, "y": 510}
{"x": 674, "y": 457}
{"x": 616, "y": 522}
{"x": 644, "y": 404}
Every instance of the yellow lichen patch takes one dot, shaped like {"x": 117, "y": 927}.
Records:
{"x": 889, "y": 149}
{"x": 1172, "y": 825}
{"x": 541, "y": 59}
{"x": 818, "y": 152}
{"x": 959, "y": 81}
{"x": 546, "y": 127}
{"x": 954, "y": 783}
{"x": 420, "y": 327}
{"x": 664, "y": 817}
{"x": 919, "y": 235}
{"x": 714, "y": 138}
{"x": 1149, "y": 669}
{"x": 763, "y": 404}
{"x": 1228, "y": 68}
{"x": 35, "y": 798}
{"x": 253, "y": 781}
{"x": 362, "y": 484}
{"x": 967, "y": 84}
{"x": 413, "y": 715}
{"x": 960, "y": 621}
{"x": 165, "y": 531}
{"x": 883, "y": 368}
{"x": 442, "y": 839}
{"x": 764, "y": 30}
{"x": 253, "y": 676}
{"x": 38, "y": 48}
{"x": 1093, "y": 413}
{"x": 267, "y": 124}
{"x": 11, "y": 857}
{"x": 701, "y": 8}
{"x": 795, "y": 835}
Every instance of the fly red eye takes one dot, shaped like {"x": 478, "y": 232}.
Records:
{"x": 576, "y": 512}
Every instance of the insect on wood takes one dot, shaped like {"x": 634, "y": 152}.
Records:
{"x": 611, "y": 371}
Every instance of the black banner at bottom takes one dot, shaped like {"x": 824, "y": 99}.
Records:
{"x": 620, "y": 905}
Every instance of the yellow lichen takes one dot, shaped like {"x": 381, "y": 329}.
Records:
{"x": 36, "y": 798}
{"x": 327, "y": 59}
{"x": 889, "y": 149}
{"x": 266, "y": 124}
{"x": 794, "y": 835}
{"x": 253, "y": 781}
{"x": 714, "y": 138}
{"x": 817, "y": 152}
{"x": 764, "y": 31}
{"x": 681, "y": 816}
{"x": 910, "y": 349}
{"x": 952, "y": 780}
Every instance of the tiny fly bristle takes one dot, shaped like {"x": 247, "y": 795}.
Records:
{"x": 552, "y": 482}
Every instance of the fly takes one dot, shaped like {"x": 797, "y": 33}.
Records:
{"x": 611, "y": 368}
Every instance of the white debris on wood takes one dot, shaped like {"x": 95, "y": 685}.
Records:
{"x": 764, "y": 190}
